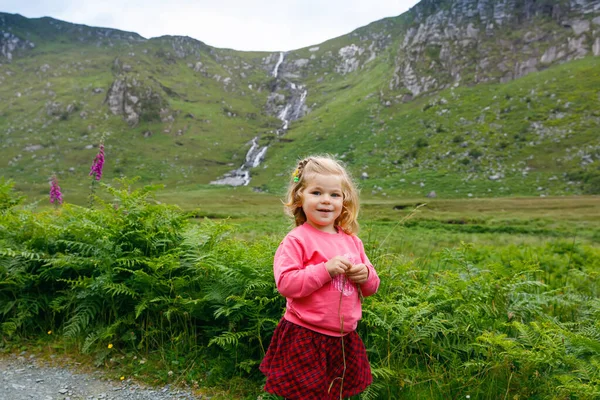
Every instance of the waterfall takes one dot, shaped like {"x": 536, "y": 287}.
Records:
{"x": 255, "y": 155}
{"x": 298, "y": 111}
{"x": 241, "y": 176}
{"x": 293, "y": 109}
{"x": 283, "y": 117}
{"x": 259, "y": 157}
{"x": 276, "y": 70}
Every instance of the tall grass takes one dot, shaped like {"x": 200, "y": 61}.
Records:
{"x": 138, "y": 285}
{"x": 487, "y": 329}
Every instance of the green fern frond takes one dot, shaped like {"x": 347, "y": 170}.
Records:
{"x": 60, "y": 303}
{"x": 23, "y": 254}
{"x": 131, "y": 262}
{"x": 140, "y": 308}
{"x": 80, "y": 248}
{"x": 83, "y": 317}
{"x": 91, "y": 339}
{"x": 229, "y": 339}
{"x": 118, "y": 289}
{"x": 7, "y": 307}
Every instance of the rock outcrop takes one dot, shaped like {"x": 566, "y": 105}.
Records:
{"x": 9, "y": 44}
{"x": 133, "y": 100}
{"x": 472, "y": 41}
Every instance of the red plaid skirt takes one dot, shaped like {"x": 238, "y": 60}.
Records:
{"x": 305, "y": 365}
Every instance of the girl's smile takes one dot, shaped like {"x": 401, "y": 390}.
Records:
{"x": 322, "y": 201}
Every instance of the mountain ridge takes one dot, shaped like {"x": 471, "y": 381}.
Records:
{"x": 175, "y": 110}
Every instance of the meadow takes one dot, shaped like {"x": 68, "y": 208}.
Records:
{"x": 490, "y": 298}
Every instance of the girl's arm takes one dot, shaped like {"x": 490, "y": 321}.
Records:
{"x": 292, "y": 278}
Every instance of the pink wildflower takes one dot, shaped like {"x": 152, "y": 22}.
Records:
{"x": 55, "y": 194}
{"x": 98, "y": 163}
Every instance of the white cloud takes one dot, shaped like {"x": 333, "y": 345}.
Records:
{"x": 239, "y": 24}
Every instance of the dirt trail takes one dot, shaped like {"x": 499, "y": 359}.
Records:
{"x": 24, "y": 377}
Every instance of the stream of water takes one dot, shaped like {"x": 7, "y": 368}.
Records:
{"x": 256, "y": 154}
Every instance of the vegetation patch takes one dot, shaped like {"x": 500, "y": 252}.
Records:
{"x": 144, "y": 289}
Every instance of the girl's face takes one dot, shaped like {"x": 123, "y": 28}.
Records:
{"x": 322, "y": 201}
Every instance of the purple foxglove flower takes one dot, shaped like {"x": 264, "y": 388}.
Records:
{"x": 55, "y": 194}
{"x": 98, "y": 163}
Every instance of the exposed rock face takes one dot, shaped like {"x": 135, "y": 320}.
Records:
{"x": 469, "y": 41}
{"x": 10, "y": 43}
{"x": 349, "y": 59}
{"x": 116, "y": 96}
{"x": 449, "y": 42}
{"x": 551, "y": 54}
{"x": 133, "y": 100}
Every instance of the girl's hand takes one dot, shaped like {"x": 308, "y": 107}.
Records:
{"x": 358, "y": 273}
{"x": 337, "y": 265}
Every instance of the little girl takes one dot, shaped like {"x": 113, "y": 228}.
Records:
{"x": 322, "y": 270}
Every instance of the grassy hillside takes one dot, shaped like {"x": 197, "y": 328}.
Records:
{"x": 186, "y": 113}
{"x": 531, "y": 136}
{"x": 55, "y": 113}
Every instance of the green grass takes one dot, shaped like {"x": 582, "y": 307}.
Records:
{"x": 533, "y": 132}
{"x": 437, "y": 225}
{"x": 466, "y": 285}
{"x": 469, "y": 133}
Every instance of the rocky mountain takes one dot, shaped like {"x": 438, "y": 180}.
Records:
{"x": 456, "y": 97}
{"x": 472, "y": 42}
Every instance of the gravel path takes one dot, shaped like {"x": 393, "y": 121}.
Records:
{"x": 23, "y": 377}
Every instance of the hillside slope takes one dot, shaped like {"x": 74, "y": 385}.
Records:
{"x": 463, "y": 97}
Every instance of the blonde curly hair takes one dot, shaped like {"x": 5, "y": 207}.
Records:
{"x": 326, "y": 165}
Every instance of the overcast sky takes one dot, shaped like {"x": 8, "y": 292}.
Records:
{"x": 238, "y": 24}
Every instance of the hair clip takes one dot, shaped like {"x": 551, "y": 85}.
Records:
{"x": 295, "y": 175}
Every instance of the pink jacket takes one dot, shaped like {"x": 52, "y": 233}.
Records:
{"x": 313, "y": 297}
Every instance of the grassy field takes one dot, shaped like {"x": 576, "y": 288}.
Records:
{"x": 449, "y": 221}
{"x": 510, "y": 220}
{"x": 409, "y": 226}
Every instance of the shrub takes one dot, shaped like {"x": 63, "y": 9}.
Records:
{"x": 136, "y": 277}
{"x": 421, "y": 142}
{"x": 9, "y": 198}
